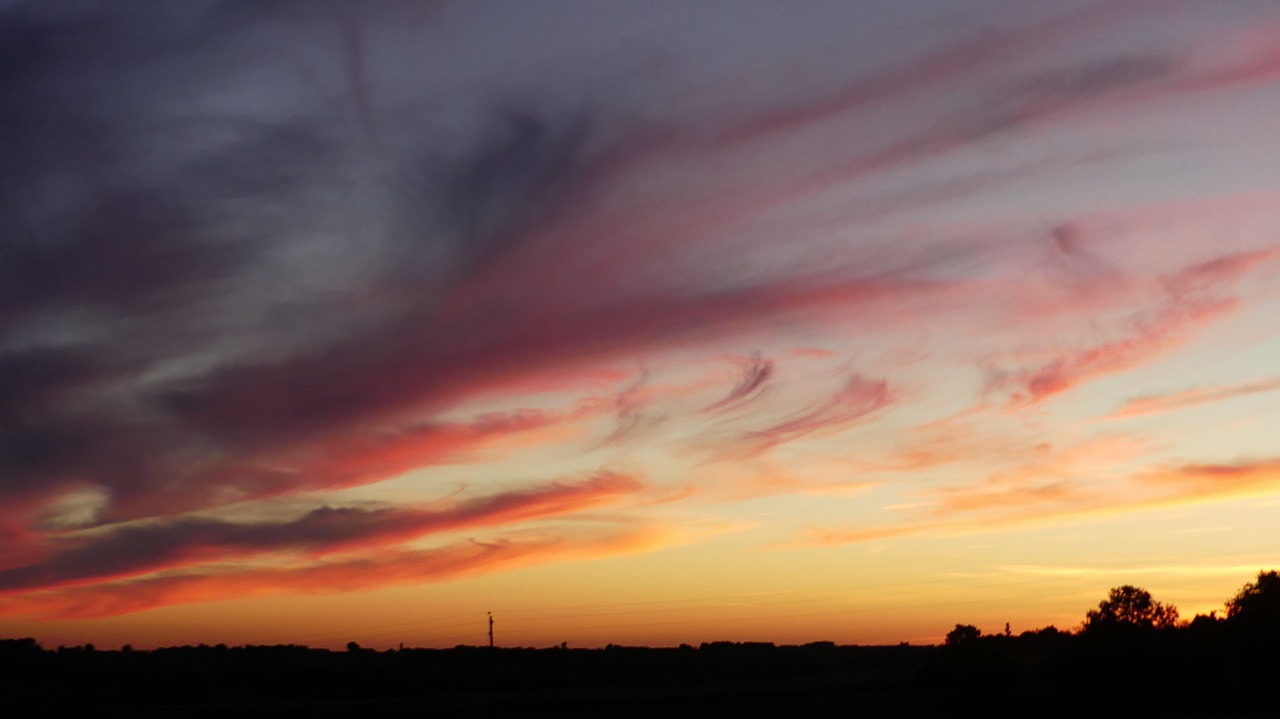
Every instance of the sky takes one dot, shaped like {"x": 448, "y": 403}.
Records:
{"x": 632, "y": 323}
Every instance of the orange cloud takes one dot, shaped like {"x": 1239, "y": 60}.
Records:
{"x": 1058, "y": 492}
{"x": 1157, "y": 404}
{"x": 1206, "y": 481}
{"x": 1174, "y": 486}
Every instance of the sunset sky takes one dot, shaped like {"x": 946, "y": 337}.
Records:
{"x": 632, "y": 322}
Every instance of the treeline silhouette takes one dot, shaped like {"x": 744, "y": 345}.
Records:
{"x": 1131, "y": 655}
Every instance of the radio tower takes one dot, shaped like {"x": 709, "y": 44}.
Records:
{"x": 490, "y": 629}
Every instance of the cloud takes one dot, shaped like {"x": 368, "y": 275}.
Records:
{"x": 195, "y": 233}
{"x": 629, "y": 406}
{"x": 1157, "y": 404}
{"x": 968, "y": 501}
{"x": 966, "y": 511}
{"x": 1253, "y": 60}
{"x": 957, "y": 62}
{"x": 1232, "y": 479}
{"x": 1022, "y": 106}
{"x": 158, "y": 469}
{"x": 253, "y": 276}
{"x": 136, "y": 549}
{"x": 756, "y": 372}
{"x": 270, "y": 250}
{"x": 857, "y": 399}
{"x": 387, "y": 568}
{"x": 1192, "y": 297}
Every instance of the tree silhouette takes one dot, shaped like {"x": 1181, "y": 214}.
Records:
{"x": 1130, "y": 606}
{"x": 1257, "y": 602}
{"x": 962, "y": 634}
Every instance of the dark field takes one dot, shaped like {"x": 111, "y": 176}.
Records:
{"x": 1204, "y": 671}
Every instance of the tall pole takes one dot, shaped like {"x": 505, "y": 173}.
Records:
{"x": 490, "y": 630}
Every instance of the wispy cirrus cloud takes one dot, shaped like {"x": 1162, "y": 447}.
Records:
{"x": 856, "y": 400}
{"x": 756, "y": 372}
{"x": 186, "y": 543}
{"x": 988, "y": 498}
{"x": 386, "y": 568}
{"x": 1253, "y": 61}
{"x": 1192, "y": 297}
{"x": 1174, "y": 401}
{"x": 164, "y": 471}
{"x": 1040, "y": 503}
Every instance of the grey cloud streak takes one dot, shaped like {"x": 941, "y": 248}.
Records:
{"x": 755, "y": 375}
{"x": 139, "y": 549}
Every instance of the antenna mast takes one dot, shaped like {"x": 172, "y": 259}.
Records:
{"x": 490, "y": 629}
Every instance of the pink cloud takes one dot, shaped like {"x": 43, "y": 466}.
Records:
{"x": 985, "y": 511}
{"x": 816, "y": 352}
{"x": 1252, "y": 59}
{"x": 1193, "y": 297}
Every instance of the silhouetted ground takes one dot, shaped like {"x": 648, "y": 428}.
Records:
{"x": 1210, "y": 670}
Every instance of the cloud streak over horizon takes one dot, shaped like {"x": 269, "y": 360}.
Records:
{"x": 275, "y": 277}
